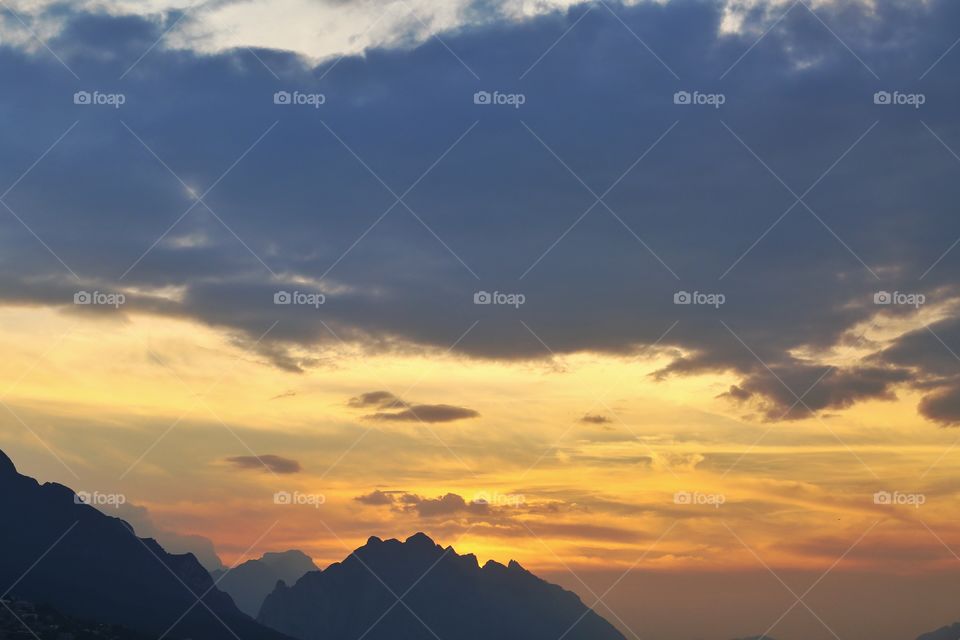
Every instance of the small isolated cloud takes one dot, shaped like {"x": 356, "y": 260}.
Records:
{"x": 395, "y": 409}
{"x": 426, "y": 413}
{"x": 378, "y": 399}
{"x": 266, "y": 462}
{"x": 595, "y": 419}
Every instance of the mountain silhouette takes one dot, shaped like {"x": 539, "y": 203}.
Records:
{"x": 67, "y": 555}
{"x": 249, "y": 583}
{"x": 444, "y": 595}
{"x": 951, "y": 632}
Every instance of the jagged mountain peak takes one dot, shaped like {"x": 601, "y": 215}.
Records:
{"x": 449, "y": 595}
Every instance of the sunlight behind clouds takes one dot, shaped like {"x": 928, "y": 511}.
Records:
{"x": 323, "y": 29}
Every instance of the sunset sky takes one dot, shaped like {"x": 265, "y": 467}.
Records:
{"x": 790, "y": 168}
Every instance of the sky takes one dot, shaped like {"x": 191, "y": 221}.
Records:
{"x": 658, "y": 298}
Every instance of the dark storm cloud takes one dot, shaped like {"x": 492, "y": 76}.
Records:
{"x": 943, "y": 405}
{"x": 930, "y": 353}
{"x": 267, "y": 462}
{"x": 797, "y": 390}
{"x": 288, "y": 215}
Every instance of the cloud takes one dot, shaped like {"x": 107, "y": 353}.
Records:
{"x": 942, "y": 406}
{"x": 426, "y": 413}
{"x": 379, "y": 399}
{"x": 446, "y": 505}
{"x": 348, "y": 28}
{"x": 929, "y": 354}
{"x": 797, "y": 390}
{"x": 398, "y": 410}
{"x": 266, "y": 462}
{"x": 376, "y": 498}
{"x": 793, "y": 283}
{"x": 595, "y": 419}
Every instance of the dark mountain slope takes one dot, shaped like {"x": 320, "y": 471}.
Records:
{"x": 70, "y": 556}
{"x": 249, "y": 583}
{"x": 944, "y": 633}
{"x": 449, "y": 595}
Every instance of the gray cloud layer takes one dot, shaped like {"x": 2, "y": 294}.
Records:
{"x": 266, "y": 462}
{"x": 308, "y": 185}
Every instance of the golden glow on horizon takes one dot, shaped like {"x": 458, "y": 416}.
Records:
{"x": 104, "y": 393}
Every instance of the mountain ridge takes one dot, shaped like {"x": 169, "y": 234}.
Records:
{"x": 89, "y": 565}
{"x": 417, "y": 590}
{"x": 251, "y": 582}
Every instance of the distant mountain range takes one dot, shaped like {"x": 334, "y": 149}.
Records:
{"x": 76, "y": 571}
{"x": 90, "y": 566}
{"x": 444, "y": 595}
{"x": 249, "y": 583}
